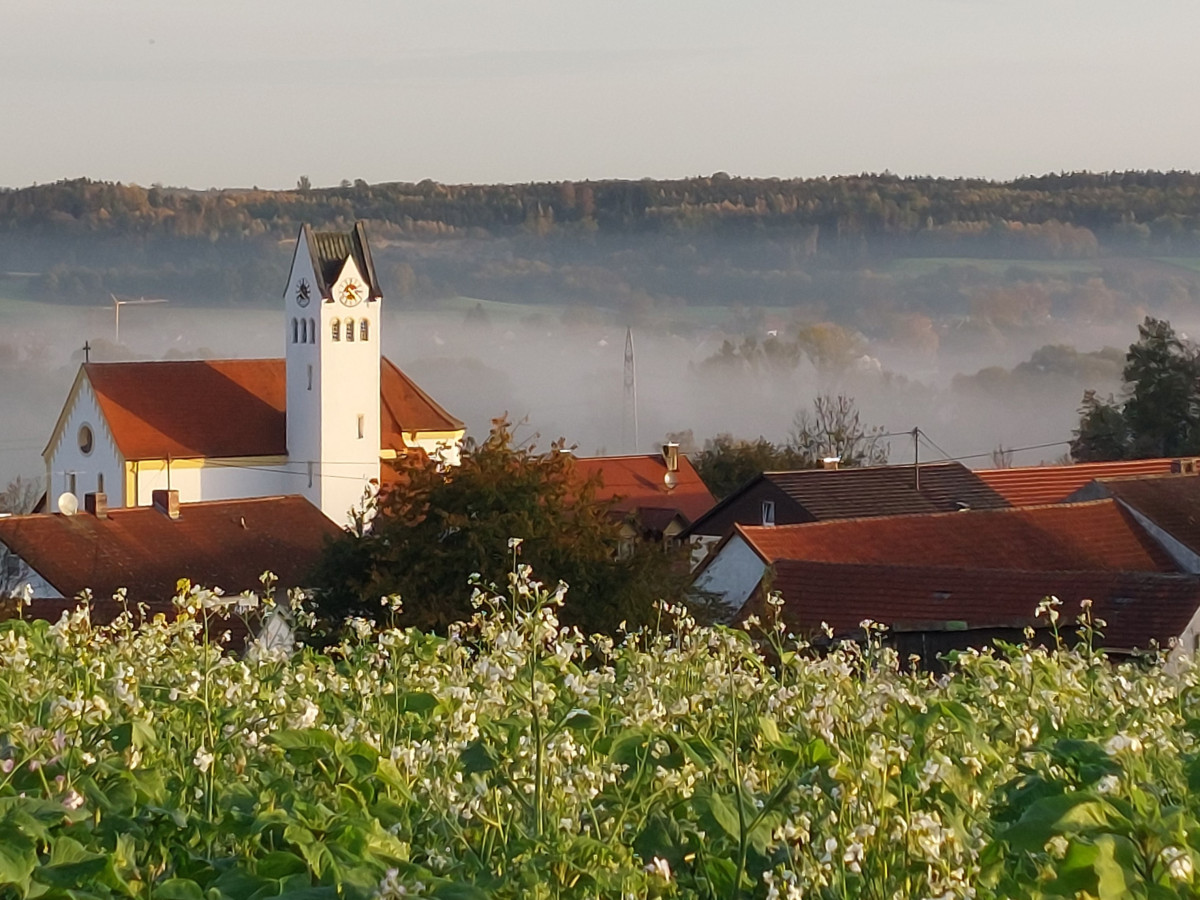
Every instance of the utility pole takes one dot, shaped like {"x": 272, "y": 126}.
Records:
{"x": 117, "y": 304}
{"x": 916, "y": 433}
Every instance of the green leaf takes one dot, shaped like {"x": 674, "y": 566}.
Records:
{"x": 279, "y": 864}
{"x": 417, "y": 702}
{"x": 478, "y": 757}
{"x": 18, "y": 856}
{"x": 178, "y": 889}
{"x": 721, "y": 874}
{"x": 459, "y": 891}
{"x": 1061, "y": 814}
{"x": 724, "y": 814}
{"x": 581, "y": 720}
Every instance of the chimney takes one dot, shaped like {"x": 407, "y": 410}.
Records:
{"x": 670, "y": 454}
{"x": 830, "y": 462}
{"x": 97, "y": 504}
{"x": 166, "y": 502}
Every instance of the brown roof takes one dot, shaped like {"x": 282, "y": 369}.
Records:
{"x": 1138, "y": 607}
{"x": 231, "y": 407}
{"x": 1080, "y": 536}
{"x": 222, "y": 543}
{"x": 805, "y": 495}
{"x": 329, "y": 251}
{"x": 636, "y": 483}
{"x": 1172, "y": 502}
{"x": 1037, "y": 485}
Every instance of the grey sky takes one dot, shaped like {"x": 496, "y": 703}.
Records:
{"x": 239, "y": 92}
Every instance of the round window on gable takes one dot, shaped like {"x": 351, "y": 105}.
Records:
{"x": 86, "y": 439}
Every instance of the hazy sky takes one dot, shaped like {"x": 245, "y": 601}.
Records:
{"x": 240, "y": 92}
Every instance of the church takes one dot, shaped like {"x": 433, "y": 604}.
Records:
{"x": 320, "y": 422}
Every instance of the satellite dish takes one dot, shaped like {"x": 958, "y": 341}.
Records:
{"x": 68, "y": 503}
{"x": 670, "y": 480}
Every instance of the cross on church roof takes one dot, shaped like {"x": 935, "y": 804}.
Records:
{"x": 87, "y": 352}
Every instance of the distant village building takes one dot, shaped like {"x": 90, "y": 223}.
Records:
{"x": 317, "y": 422}
{"x": 656, "y": 496}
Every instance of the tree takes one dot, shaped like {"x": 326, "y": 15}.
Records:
{"x": 17, "y": 499}
{"x": 832, "y": 429}
{"x": 429, "y": 533}
{"x": 1161, "y": 412}
{"x": 835, "y": 429}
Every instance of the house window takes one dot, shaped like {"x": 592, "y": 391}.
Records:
{"x": 310, "y": 378}
{"x": 100, "y": 483}
{"x": 364, "y": 330}
{"x": 310, "y": 473}
{"x": 768, "y": 512}
{"x": 336, "y": 327}
{"x": 87, "y": 440}
{"x": 349, "y": 329}
{"x": 361, "y": 425}
{"x": 71, "y": 482}
{"x": 295, "y": 331}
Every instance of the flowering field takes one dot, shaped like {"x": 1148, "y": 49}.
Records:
{"x": 512, "y": 759}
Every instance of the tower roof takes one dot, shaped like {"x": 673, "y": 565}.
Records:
{"x": 329, "y": 251}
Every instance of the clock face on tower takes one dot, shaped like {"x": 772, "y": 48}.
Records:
{"x": 303, "y": 293}
{"x": 352, "y": 293}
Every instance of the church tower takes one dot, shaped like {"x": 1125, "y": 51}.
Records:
{"x": 332, "y": 318}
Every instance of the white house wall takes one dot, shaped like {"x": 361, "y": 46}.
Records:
{"x": 733, "y": 573}
{"x": 66, "y": 458}
{"x": 26, "y": 575}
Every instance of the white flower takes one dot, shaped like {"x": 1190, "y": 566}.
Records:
{"x": 1179, "y": 863}
{"x": 1107, "y": 785}
{"x": 203, "y": 759}
{"x": 659, "y": 867}
{"x": 1057, "y": 846}
{"x": 1120, "y": 742}
{"x": 72, "y": 799}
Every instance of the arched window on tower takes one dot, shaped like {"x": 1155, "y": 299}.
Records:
{"x": 304, "y": 331}
{"x": 295, "y": 331}
{"x": 312, "y": 331}
{"x": 349, "y": 329}
{"x": 364, "y": 330}
{"x": 336, "y": 333}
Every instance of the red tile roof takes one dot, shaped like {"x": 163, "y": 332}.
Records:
{"x": 231, "y": 407}
{"x": 1172, "y": 502}
{"x": 1037, "y": 485}
{"x": 636, "y": 482}
{"x": 1138, "y": 607}
{"x": 1078, "y": 536}
{"x": 222, "y": 543}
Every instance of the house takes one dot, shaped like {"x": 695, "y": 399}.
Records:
{"x": 931, "y": 609}
{"x": 317, "y": 422}
{"x": 814, "y": 495}
{"x": 148, "y": 549}
{"x": 1037, "y": 485}
{"x": 1166, "y": 506}
{"x": 657, "y": 496}
{"x": 1097, "y": 536}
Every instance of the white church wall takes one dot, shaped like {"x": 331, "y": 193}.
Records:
{"x": 445, "y": 448}
{"x": 72, "y": 464}
{"x": 198, "y": 480}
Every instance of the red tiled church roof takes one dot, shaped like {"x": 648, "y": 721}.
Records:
{"x": 1096, "y": 536}
{"x": 231, "y": 407}
{"x": 1138, "y": 607}
{"x": 220, "y": 543}
{"x": 637, "y": 483}
{"x": 1037, "y": 485}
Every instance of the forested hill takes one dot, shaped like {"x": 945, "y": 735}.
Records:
{"x": 1128, "y": 207}
{"x": 619, "y": 244}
